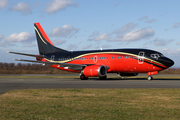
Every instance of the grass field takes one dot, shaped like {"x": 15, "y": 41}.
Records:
{"x": 92, "y": 104}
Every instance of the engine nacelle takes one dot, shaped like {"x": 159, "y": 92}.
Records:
{"x": 128, "y": 74}
{"x": 94, "y": 71}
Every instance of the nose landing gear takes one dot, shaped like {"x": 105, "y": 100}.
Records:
{"x": 151, "y": 73}
{"x": 149, "y": 78}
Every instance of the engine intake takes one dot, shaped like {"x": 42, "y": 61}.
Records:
{"x": 94, "y": 71}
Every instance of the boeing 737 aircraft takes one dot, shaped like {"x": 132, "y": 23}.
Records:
{"x": 97, "y": 63}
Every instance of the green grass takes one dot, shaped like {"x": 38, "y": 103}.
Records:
{"x": 91, "y": 104}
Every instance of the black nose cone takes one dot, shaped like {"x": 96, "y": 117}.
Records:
{"x": 167, "y": 62}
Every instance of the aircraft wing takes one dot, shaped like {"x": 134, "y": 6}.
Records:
{"x": 65, "y": 65}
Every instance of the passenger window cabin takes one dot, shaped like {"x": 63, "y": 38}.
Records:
{"x": 86, "y": 58}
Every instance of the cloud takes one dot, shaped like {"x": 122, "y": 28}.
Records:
{"x": 136, "y": 35}
{"x": 87, "y": 47}
{"x": 103, "y": 46}
{"x": 95, "y": 33}
{"x": 20, "y": 37}
{"x": 5, "y": 44}
{"x": 104, "y": 36}
{"x": 30, "y": 45}
{"x": 3, "y": 3}
{"x": 1, "y": 37}
{"x": 59, "y": 42}
{"x": 58, "y": 5}
{"x": 122, "y": 35}
{"x": 176, "y": 25}
{"x": 162, "y": 42}
{"x": 22, "y": 7}
{"x": 65, "y": 31}
{"x": 144, "y": 18}
{"x": 150, "y": 21}
{"x": 106, "y": 46}
{"x": 172, "y": 52}
{"x": 72, "y": 47}
{"x": 178, "y": 43}
{"x": 166, "y": 29}
{"x": 125, "y": 28}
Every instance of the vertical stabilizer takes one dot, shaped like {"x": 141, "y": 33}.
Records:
{"x": 44, "y": 43}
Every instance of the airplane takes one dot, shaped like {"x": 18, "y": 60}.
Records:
{"x": 97, "y": 63}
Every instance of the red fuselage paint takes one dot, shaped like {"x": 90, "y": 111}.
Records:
{"x": 116, "y": 63}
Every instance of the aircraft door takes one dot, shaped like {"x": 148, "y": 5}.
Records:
{"x": 141, "y": 57}
{"x": 95, "y": 59}
{"x": 52, "y": 57}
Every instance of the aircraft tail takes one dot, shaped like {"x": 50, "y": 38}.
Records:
{"x": 44, "y": 43}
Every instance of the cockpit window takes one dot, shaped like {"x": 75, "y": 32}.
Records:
{"x": 162, "y": 55}
{"x": 152, "y": 55}
{"x": 155, "y": 56}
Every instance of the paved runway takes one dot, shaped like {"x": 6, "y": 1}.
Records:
{"x": 7, "y": 84}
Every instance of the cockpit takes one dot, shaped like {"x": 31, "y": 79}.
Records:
{"x": 156, "y": 55}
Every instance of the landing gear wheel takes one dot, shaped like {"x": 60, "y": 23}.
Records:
{"x": 103, "y": 78}
{"x": 82, "y": 77}
{"x": 150, "y": 77}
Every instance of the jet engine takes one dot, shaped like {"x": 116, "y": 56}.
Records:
{"x": 94, "y": 71}
{"x": 128, "y": 74}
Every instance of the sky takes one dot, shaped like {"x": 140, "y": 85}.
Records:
{"x": 88, "y": 25}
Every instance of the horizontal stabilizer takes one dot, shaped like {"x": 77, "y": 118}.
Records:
{"x": 38, "y": 56}
{"x": 65, "y": 65}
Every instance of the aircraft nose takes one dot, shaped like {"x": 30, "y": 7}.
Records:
{"x": 168, "y": 62}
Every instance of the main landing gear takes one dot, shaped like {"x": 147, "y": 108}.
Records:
{"x": 83, "y": 77}
{"x": 103, "y": 78}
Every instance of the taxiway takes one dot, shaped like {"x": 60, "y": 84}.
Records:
{"x": 7, "y": 84}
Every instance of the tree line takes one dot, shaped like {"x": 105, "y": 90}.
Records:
{"x": 27, "y": 68}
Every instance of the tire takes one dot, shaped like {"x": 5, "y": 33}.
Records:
{"x": 103, "y": 78}
{"x": 82, "y": 77}
{"x": 149, "y": 78}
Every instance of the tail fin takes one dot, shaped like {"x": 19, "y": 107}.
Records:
{"x": 44, "y": 43}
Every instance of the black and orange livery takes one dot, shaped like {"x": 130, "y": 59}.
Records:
{"x": 97, "y": 63}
